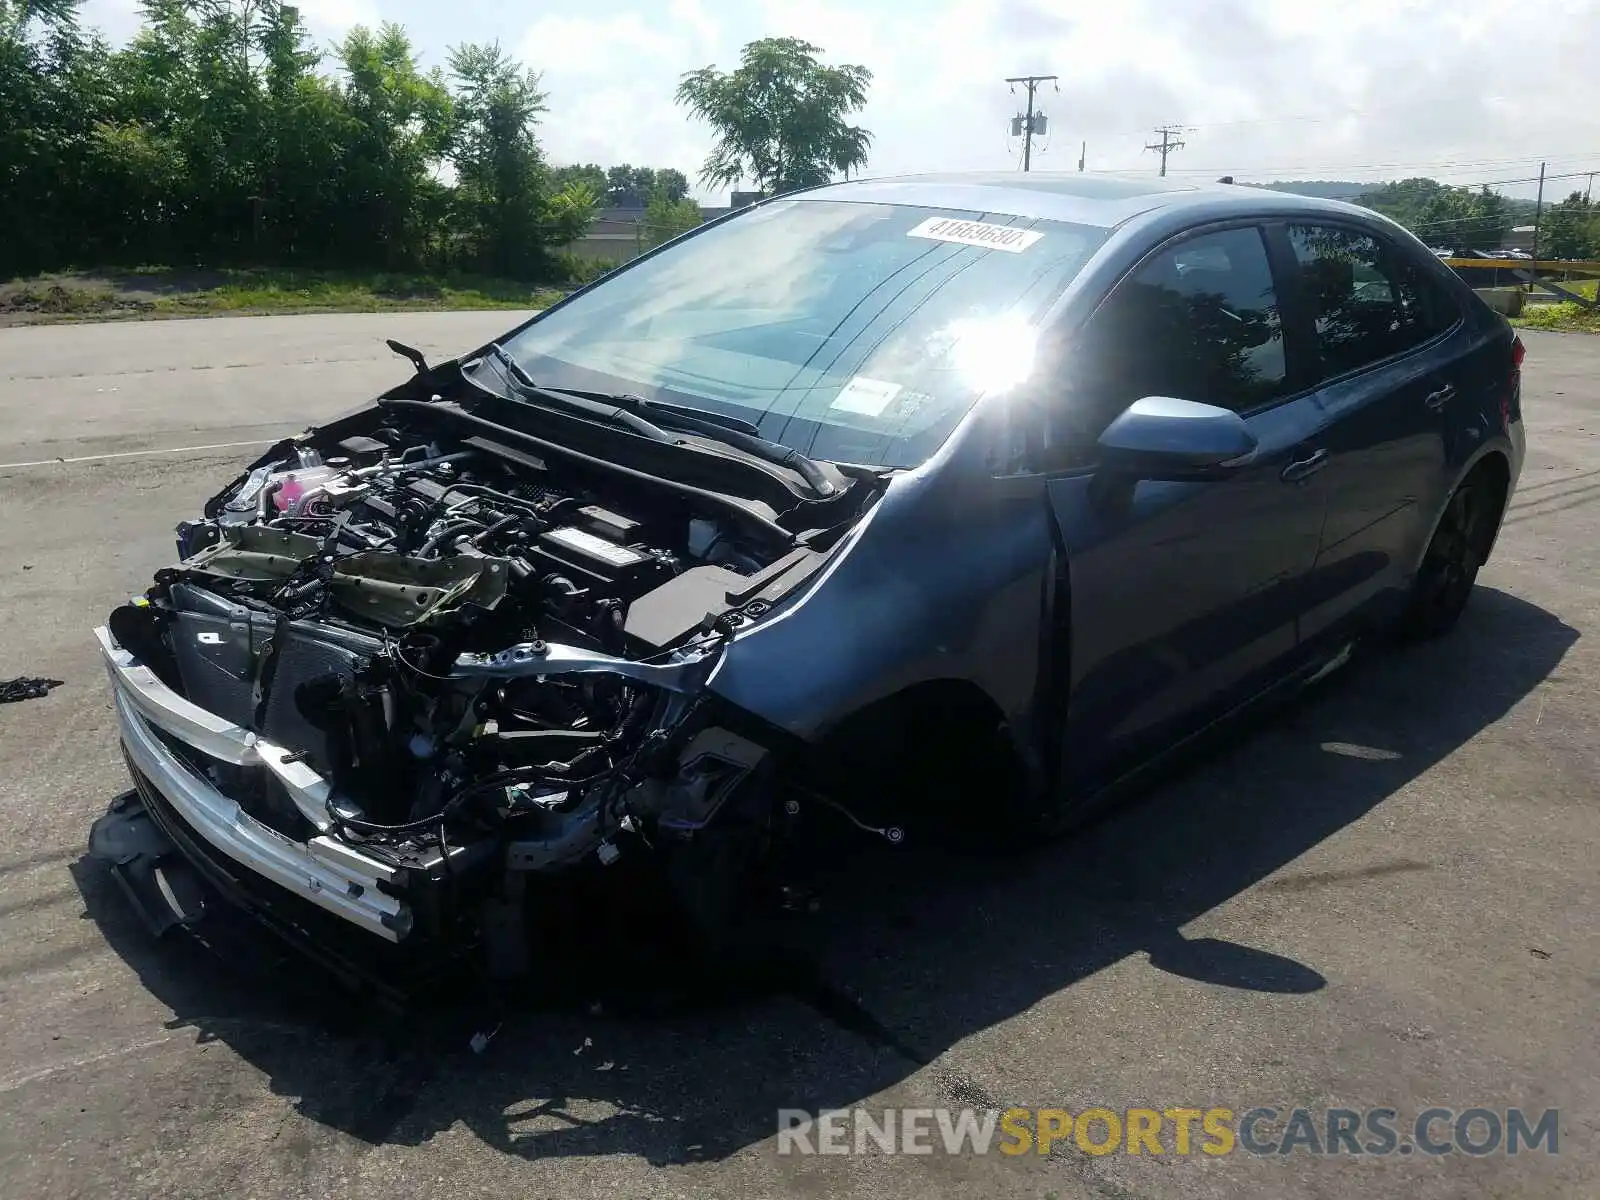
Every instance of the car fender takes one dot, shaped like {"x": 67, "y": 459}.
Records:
{"x": 943, "y": 580}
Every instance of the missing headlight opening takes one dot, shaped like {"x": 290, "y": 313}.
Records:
{"x": 399, "y": 667}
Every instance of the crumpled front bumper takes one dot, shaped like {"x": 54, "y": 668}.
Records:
{"x": 336, "y": 877}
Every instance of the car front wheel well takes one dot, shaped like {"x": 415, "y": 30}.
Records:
{"x": 934, "y": 748}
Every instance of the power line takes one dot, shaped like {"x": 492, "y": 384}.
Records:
{"x": 1523, "y": 179}
{"x": 1245, "y": 172}
{"x": 1310, "y": 118}
{"x": 1033, "y": 121}
{"x": 1449, "y": 164}
{"x": 1168, "y": 143}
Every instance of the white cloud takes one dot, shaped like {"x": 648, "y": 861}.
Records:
{"x": 118, "y": 20}
{"x": 332, "y": 19}
{"x": 611, "y": 79}
{"x": 327, "y": 20}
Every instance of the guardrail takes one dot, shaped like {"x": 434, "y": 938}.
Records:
{"x": 1544, "y": 264}
{"x": 1526, "y": 270}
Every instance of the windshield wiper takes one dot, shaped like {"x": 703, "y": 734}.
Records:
{"x": 628, "y": 410}
{"x": 730, "y": 431}
{"x": 607, "y": 410}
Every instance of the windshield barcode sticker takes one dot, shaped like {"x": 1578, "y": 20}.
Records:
{"x": 865, "y": 397}
{"x": 976, "y": 233}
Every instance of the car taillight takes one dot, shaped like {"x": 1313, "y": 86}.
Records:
{"x": 1514, "y": 388}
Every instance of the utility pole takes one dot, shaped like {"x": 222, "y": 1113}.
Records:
{"x": 1168, "y": 143}
{"x": 1034, "y": 121}
{"x": 1538, "y": 213}
{"x": 1083, "y": 153}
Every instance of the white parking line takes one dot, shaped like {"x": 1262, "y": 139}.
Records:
{"x": 56, "y": 462}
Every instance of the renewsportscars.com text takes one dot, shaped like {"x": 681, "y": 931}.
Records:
{"x": 1179, "y": 1131}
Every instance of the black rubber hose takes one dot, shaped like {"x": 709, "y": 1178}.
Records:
{"x": 503, "y": 497}
{"x": 449, "y": 531}
{"x": 502, "y": 523}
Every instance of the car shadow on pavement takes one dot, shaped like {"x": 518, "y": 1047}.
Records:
{"x": 913, "y": 951}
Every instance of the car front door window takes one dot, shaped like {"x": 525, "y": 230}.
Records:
{"x": 1199, "y": 321}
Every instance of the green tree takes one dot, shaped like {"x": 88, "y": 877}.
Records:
{"x": 1450, "y": 217}
{"x": 401, "y": 122}
{"x": 1568, "y": 229}
{"x": 779, "y": 116}
{"x": 628, "y": 186}
{"x": 1491, "y": 220}
{"x": 216, "y": 135}
{"x": 591, "y": 175}
{"x": 1405, "y": 200}
{"x": 625, "y": 185}
{"x": 672, "y": 183}
{"x": 51, "y": 95}
{"x": 1447, "y": 219}
{"x": 513, "y": 211}
{"x": 665, "y": 218}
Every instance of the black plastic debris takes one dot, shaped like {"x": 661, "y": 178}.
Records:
{"x": 24, "y": 688}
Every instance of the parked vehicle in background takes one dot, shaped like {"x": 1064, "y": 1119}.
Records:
{"x": 981, "y": 489}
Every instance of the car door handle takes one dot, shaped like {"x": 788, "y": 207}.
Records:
{"x": 1304, "y": 468}
{"x": 1438, "y": 399}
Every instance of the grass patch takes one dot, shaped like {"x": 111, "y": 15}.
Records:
{"x": 169, "y": 292}
{"x": 1565, "y": 317}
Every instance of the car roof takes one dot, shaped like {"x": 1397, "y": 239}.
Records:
{"x": 1084, "y": 199}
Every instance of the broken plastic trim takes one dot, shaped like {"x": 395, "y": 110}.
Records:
{"x": 137, "y": 686}
{"x": 331, "y": 875}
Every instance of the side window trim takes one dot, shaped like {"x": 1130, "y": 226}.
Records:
{"x": 1294, "y": 311}
{"x": 1392, "y": 256}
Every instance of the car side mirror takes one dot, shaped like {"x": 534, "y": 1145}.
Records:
{"x": 1161, "y": 437}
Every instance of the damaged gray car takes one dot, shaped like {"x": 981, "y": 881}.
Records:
{"x": 969, "y": 493}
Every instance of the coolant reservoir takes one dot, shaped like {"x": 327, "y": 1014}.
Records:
{"x": 292, "y": 486}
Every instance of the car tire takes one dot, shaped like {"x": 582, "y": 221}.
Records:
{"x": 1449, "y": 569}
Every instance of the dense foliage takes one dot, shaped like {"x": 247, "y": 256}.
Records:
{"x": 779, "y": 116}
{"x": 665, "y": 218}
{"x": 1450, "y": 218}
{"x": 1571, "y": 229}
{"x": 221, "y": 135}
{"x": 626, "y": 186}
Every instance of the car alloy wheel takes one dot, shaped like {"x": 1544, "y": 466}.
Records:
{"x": 1450, "y": 567}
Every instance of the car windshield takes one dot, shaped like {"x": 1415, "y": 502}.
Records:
{"x": 854, "y": 332}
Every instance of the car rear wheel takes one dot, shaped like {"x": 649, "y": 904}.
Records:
{"x": 1449, "y": 570}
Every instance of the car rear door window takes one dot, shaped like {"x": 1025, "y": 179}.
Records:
{"x": 1198, "y": 321}
{"x": 1367, "y": 303}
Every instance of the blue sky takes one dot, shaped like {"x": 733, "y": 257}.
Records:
{"x": 1468, "y": 91}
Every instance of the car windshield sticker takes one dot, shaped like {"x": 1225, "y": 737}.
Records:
{"x": 976, "y": 233}
{"x": 866, "y": 397}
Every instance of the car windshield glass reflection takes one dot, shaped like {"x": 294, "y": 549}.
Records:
{"x": 855, "y": 332}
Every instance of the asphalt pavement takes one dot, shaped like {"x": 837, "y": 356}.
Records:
{"x": 1384, "y": 897}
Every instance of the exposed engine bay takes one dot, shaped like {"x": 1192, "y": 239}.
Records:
{"x": 472, "y": 662}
